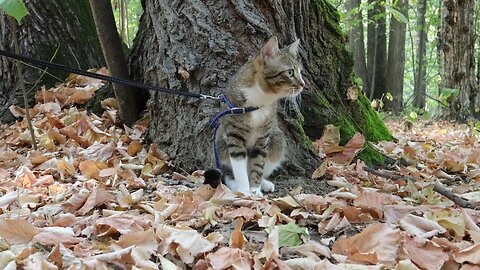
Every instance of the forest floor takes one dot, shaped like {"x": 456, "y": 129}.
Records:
{"x": 94, "y": 196}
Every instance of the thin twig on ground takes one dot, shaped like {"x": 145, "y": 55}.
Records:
{"x": 22, "y": 84}
{"x": 299, "y": 203}
{"x": 438, "y": 187}
{"x": 388, "y": 175}
{"x": 454, "y": 197}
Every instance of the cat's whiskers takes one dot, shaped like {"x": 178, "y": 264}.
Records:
{"x": 292, "y": 103}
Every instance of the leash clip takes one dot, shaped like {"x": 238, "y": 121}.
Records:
{"x": 236, "y": 110}
{"x": 210, "y": 97}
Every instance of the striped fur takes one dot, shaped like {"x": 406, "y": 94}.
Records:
{"x": 251, "y": 146}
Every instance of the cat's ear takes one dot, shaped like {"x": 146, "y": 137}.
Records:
{"x": 270, "y": 48}
{"x": 293, "y": 48}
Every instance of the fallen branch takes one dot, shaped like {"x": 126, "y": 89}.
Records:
{"x": 438, "y": 187}
{"x": 454, "y": 197}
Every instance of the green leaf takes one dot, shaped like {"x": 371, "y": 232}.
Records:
{"x": 14, "y": 8}
{"x": 381, "y": 103}
{"x": 413, "y": 115}
{"x": 447, "y": 92}
{"x": 289, "y": 235}
{"x": 415, "y": 195}
{"x": 389, "y": 96}
{"x": 430, "y": 195}
{"x": 477, "y": 125}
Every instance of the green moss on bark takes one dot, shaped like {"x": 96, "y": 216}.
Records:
{"x": 305, "y": 140}
{"x": 371, "y": 156}
{"x": 373, "y": 127}
{"x": 331, "y": 16}
{"x": 330, "y": 106}
{"x": 350, "y": 117}
{"x": 364, "y": 120}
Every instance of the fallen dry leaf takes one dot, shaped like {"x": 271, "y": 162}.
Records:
{"x": 227, "y": 257}
{"x": 375, "y": 242}
{"x": 95, "y": 196}
{"x": 427, "y": 256}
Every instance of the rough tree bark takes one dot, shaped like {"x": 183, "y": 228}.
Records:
{"x": 419, "y": 89}
{"x": 356, "y": 43}
{"x": 376, "y": 49}
{"x": 396, "y": 59}
{"x": 211, "y": 39}
{"x": 63, "y": 24}
{"x": 457, "y": 58}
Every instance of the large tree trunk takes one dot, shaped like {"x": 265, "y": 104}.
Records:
{"x": 396, "y": 59}
{"x": 66, "y": 25}
{"x": 457, "y": 58}
{"x": 376, "y": 49}
{"x": 211, "y": 39}
{"x": 356, "y": 43}
{"x": 419, "y": 90}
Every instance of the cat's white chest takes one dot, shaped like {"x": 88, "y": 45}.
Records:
{"x": 259, "y": 116}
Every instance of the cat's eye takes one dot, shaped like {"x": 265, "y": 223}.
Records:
{"x": 290, "y": 72}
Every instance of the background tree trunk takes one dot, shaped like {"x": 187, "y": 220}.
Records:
{"x": 211, "y": 39}
{"x": 376, "y": 49}
{"x": 419, "y": 89}
{"x": 356, "y": 43}
{"x": 396, "y": 59}
{"x": 115, "y": 59}
{"x": 66, "y": 25}
{"x": 457, "y": 57}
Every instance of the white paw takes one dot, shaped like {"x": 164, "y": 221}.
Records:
{"x": 230, "y": 183}
{"x": 256, "y": 191}
{"x": 237, "y": 186}
{"x": 245, "y": 192}
{"x": 267, "y": 186}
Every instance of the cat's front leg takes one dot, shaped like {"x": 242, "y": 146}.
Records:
{"x": 237, "y": 152}
{"x": 240, "y": 169}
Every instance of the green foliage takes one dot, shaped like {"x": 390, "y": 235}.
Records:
{"x": 447, "y": 94}
{"x": 133, "y": 12}
{"x": 379, "y": 103}
{"x": 476, "y": 129}
{"x": 289, "y": 235}
{"x": 432, "y": 61}
{"x": 14, "y": 8}
{"x": 397, "y": 14}
{"x": 413, "y": 116}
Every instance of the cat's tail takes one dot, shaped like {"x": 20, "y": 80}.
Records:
{"x": 212, "y": 177}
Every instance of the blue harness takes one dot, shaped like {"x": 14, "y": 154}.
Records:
{"x": 215, "y": 123}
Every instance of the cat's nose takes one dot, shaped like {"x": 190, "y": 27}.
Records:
{"x": 302, "y": 83}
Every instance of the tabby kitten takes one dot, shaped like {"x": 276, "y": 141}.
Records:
{"x": 251, "y": 145}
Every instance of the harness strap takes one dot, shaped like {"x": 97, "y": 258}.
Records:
{"x": 215, "y": 123}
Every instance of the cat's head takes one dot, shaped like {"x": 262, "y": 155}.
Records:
{"x": 281, "y": 69}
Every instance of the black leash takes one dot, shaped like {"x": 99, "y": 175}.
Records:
{"x": 45, "y": 64}
{"x": 214, "y": 123}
